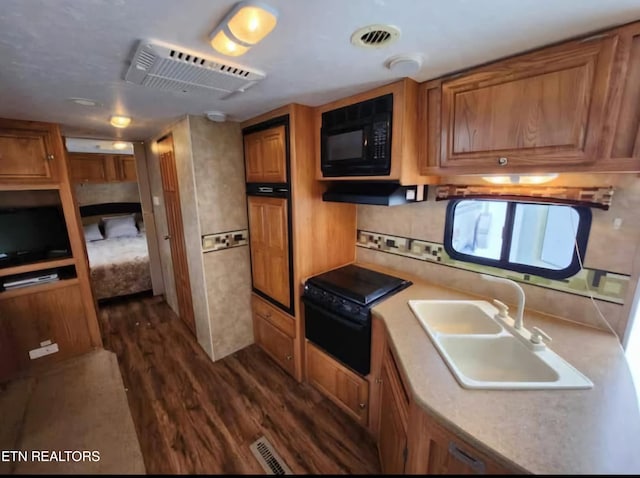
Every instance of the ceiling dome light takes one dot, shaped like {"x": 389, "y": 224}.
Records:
{"x": 524, "y": 179}
{"x": 120, "y": 145}
{"x": 245, "y": 25}
{"x": 120, "y": 121}
{"x": 85, "y": 102}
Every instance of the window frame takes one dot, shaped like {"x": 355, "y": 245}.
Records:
{"x": 582, "y": 237}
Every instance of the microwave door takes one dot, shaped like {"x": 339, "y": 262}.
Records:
{"x": 346, "y": 145}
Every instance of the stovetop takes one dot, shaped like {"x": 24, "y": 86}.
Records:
{"x": 358, "y": 284}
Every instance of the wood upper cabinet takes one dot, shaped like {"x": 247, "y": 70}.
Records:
{"x": 269, "y": 242}
{"x": 27, "y": 152}
{"x": 342, "y": 386}
{"x": 101, "y": 168}
{"x": 87, "y": 168}
{"x": 265, "y": 156}
{"x": 394, "y": 410}
{"x": 541, "y": 109}
{"x": 126, "y": 168}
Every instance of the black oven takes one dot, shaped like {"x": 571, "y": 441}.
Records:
{"x": 356, "y": 139}
{"x": 338, "y": 311}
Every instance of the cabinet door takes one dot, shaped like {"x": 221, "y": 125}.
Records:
{"x": 265, "y": 156}
{"x": 447, "y": 454}
{"x": 545, "y": 108}
{"x": 87, "y": 168}
{"x": 392, "y": 434}
{"x": 126, "y": 168}
{"x": 27, "y": 155}
{"x": 274, "y": 342}
{"x": 269, "y": 239}
{"x": 345, "y": 388}
{"x": 27, "y": 320}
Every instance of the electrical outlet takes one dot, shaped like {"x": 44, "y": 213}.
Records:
{"x": 617, "y": 223}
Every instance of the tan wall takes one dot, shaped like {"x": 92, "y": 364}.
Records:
{"x": 608, "y": 249}
{"x": 220, "y": 188}
{"x": 87, "y": 193}
{"x": 209, "y": 160}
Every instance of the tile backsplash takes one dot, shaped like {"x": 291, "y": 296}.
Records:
{"x": 604, "y": 285}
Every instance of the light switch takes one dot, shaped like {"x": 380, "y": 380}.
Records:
{"x": 156, "y": 201}
{"x": 617, "y": 223}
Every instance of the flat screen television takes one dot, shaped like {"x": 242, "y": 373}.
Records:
{"x": 32, "y": 234}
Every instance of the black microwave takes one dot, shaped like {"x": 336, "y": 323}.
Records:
{"x": 356, "y": 139}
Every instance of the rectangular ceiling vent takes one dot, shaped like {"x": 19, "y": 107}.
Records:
{"x": 164, "y": 66}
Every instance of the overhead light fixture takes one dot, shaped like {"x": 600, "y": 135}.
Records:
{"x": 244, "y": 26}
{"x": 120, "y": 121}
{"x": 84, "y": 102}
{"x": 526, "y": 179}
{"x": 120, "y": 145}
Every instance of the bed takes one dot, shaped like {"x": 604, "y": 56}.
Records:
{"x": 119, "y": 265}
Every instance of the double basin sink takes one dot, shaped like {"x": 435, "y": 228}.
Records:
{"x": 483, "y": 353}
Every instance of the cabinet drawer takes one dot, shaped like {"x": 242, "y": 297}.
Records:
{"x": 342, "y": 386}
{"x": 278, "y": 345}
{"x": 275, "y": 317}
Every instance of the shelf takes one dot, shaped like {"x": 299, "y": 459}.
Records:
{"x": 37, "y": 266}
{"x": 34, "y": 289}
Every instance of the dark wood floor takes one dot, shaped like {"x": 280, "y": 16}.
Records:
{"x": 195, "y": 416}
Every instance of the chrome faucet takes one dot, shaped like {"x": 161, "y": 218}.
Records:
{"x": 518, "y": 320}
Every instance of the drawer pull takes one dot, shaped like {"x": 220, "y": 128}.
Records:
{"x": 50, "y": 157}
{"x": 289, "y": 357}
{"x": 363, "y": 406}
{"x": 502, "y": 161}
{"x": 473, "y": 463}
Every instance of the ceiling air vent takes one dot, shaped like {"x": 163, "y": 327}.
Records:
{"x": 163, "y": 66}
{"x": 375, "y": 36}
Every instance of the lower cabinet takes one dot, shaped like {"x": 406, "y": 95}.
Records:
{"x": 394, "y": 411}
{"x": 274, "y": 332}
{"x": 342, "y": 386}
{"x": 30, "y": 319}
{"x": 410, "y": 441}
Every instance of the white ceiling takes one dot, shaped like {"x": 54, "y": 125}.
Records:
{"x": 54, "y": 50}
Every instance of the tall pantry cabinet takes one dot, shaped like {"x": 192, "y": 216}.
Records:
{"x": 293, "y": 234}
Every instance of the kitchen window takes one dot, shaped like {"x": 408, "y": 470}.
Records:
{"x": 539, "y": 239}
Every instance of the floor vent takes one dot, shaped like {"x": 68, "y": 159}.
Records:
{"x": 268, "y": 458}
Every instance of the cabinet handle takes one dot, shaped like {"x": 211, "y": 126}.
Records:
{"x": 289, "y": 357}
{"x": 50, "y": 157}
{"x": 363, "y": 406}
{"x": 378, "y": 380}
{"x": 475, "y": 464}
{"x": 502, "y": 161}
{"x": 167, "y": 237}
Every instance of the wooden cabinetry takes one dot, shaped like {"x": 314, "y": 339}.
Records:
{"x": 345, "y": 388}
{"x": 394, "y": 411}
{"x": 265, "y": 156}
{"x": 101, "y": 168}
{"x": 28, "y": 320}
{"x": 32, "y": 159}
{"x": 404, "y": 141}
{"x": 540, "y": 110}
{"x": 566, "y": 108}
{"x": 322, "y": 234}
{"x": 275, "y": 342}
{"x": 27, "y": 152}
{"x": 409, "y": 439}
{"x": 269, "y": 241}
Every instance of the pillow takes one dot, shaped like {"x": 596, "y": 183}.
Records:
{"x": 92, "y": 232}
{"x": 119, "y": 226}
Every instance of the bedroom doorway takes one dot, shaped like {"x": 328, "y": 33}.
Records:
{"x": 107, "y": 191}
{"x": 175, "y": 237}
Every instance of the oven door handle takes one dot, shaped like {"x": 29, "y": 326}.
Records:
{"x": 357, "y": 326}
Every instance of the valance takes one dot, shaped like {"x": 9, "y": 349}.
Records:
{"x": 595, "y": 197}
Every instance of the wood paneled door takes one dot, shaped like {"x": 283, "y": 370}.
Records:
{"x": 269, "y": 240}
{"x": 265, "y": 156}
{"x": 543, "y": 109}
{"x": 171, "y": 193}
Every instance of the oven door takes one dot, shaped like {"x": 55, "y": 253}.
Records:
{"x": 346, "y": 340}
